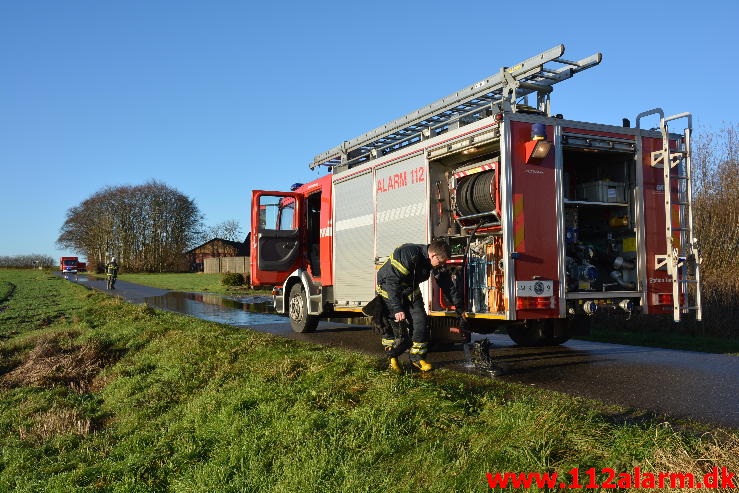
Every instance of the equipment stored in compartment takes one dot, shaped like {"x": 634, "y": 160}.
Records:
{"x": 602, "y": 191}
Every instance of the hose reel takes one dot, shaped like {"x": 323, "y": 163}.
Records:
{"x": 476, "y": 194}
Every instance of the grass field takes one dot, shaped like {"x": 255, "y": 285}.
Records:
{"x": 100, "y": 395}
{"x": 191, "y": 282}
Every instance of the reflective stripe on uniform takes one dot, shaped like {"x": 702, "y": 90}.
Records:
{"x": 402, "y": 269}
{"x": 419, "y": 348}
{"x": 388, "y": 342}
{"x": 399, "y": 266}
{"x": 411, "y": 296}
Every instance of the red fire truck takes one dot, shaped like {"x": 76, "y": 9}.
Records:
{"x": 69, "y": 265}
{"x": 548, "y": 219}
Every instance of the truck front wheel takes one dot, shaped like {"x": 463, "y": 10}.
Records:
{"x": 297, "y": 310}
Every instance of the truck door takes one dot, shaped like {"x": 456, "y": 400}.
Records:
{"x": 275, "y": 236}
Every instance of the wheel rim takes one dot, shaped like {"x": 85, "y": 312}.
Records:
{"x": 296, "y": 308}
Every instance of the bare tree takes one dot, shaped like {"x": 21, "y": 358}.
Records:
{"x": 27, "y": 261}
{"x": 716, "y": 213}
{"x": 147, "y": 227}
{"x": 227, "y": 230}
{"x": 716, "y": 163}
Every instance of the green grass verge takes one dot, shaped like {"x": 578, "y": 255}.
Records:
{"x": 38, "y": 306}
{"x": 6, "y": 289}
{"x": 191, "y": 282}
{"x": 98, "y": 394}
{"x": 665, "y": 340}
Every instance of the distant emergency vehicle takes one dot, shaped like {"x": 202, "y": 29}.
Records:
{"x": 69, "y": 265}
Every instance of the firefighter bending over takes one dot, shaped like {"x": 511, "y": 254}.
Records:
{"x": 397, "y": 285}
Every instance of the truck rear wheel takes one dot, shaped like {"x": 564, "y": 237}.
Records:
{"x": 297, "y": 310}
{"x": 538, "y": 333}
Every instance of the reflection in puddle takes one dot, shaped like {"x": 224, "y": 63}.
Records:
{"x": 75, "y": 277}
{"x": 251, "y": 310}
{"x": 216, "y": 308}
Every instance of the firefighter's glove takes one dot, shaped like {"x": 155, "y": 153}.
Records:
{"x": 462, "y": 322}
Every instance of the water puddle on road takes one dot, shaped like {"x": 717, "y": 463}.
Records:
{"x": 253, "y": 310}
{"x": 75, "y": 277}
{"x": 247, "y": 311}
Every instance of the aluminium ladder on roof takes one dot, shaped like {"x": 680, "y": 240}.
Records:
{"x": 502, "y": 88}
{"x": 682, "y": 259}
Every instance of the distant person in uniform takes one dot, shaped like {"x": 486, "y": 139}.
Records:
{"x": 111, "y": 270}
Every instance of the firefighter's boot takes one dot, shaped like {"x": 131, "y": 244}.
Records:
{"x": 389, "y": 345}
{"x": 418, "y": 355}
{"x": 423, "y": 365}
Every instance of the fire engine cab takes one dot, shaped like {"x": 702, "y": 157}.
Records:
{"x": 69, "y": 265}
{"x": 548, "y": 219}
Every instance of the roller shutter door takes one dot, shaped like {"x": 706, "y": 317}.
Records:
{"x": 354, "y": 275}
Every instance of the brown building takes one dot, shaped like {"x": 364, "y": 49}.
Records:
{"x": 217, "y": 247}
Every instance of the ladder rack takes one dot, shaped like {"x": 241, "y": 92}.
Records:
{"x": 682, "y": 259}
{"x": 473, "y": 102}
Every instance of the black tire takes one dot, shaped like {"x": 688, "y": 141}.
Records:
{"x": 297, "y": 310}
{"x": 561, "y": 331}
{"x": 538, "y": 333}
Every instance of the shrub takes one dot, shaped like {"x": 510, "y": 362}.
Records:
{"x": 232, "y": 279}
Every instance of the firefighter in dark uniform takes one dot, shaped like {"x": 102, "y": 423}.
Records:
{"x": 397, "y": 285}
{"x": 111, "y": 270}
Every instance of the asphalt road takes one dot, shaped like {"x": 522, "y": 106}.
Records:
{"x": 682, "y": 384}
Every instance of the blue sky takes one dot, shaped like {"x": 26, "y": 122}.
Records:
{"x": 219, "y": 98}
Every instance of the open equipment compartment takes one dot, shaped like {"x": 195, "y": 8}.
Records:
{"x": 598, "y": 188}
{"x": 465, "y": 210}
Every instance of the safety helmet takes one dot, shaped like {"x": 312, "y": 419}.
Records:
{"x": 113, "y": 259}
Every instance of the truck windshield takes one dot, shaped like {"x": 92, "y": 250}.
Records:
{"x": 70, "y": 262}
